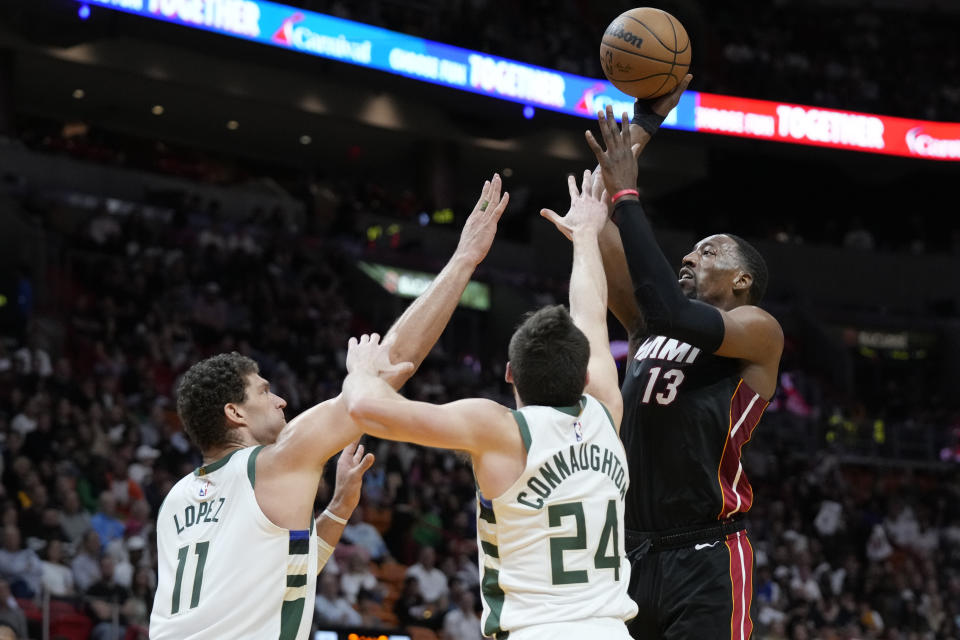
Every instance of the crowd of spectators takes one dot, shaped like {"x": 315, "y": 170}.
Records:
{"x": 332, "y": 201}
{"x": 844, "y": 551}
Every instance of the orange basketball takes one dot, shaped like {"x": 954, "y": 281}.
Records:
{"x": 645, "y": 52}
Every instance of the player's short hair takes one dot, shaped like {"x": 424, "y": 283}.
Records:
{"x": 755, "y": 265}
{"x": 204, "y": 390}
{"x": 548, "y": 357}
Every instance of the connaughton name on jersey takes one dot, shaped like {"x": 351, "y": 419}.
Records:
{"x": 565, "y": 464}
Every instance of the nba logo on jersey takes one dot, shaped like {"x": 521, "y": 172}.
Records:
{"x": 578, "y": 430}
{"x": 204, "y": 488}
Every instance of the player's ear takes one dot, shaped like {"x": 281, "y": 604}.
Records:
{"x": 508, "y": 374}
{"x": 742, "y": 282}
{"x": 234, "y": 414}
{"x": 586, "y": 379}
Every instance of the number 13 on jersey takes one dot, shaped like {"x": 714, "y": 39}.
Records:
{"x": 672, "y": 378}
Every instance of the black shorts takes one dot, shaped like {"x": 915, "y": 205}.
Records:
{"x": 703, "y": 590}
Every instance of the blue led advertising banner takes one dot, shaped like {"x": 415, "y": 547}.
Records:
{"x": 351, "y": 42}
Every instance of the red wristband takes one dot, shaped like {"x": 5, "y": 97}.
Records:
{"x": 624, "y": 192}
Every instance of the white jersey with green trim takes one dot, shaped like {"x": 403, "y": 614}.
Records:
{"x": 551, "y": 546}
{"x": 225, "y": 570}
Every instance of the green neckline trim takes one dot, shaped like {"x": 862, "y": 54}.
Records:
{"x": 609, "y": 417}
{"x": 252, "y": 466}
{"x": 524, "y": 429}
{"x": 576, "y": 409}
{"x": 213, "y": 466}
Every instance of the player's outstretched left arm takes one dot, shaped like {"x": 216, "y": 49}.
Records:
{"x": 588, "y": 287}
{"x": 418, "y": 328}
{"x": 747, "y": 332}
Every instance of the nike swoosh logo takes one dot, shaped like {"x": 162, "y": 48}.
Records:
{"x": 698, "y": 547}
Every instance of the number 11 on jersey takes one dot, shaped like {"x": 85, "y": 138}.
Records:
{"x": 182, "y": 553}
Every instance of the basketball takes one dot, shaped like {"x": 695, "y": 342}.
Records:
{"x": 645, "y": 52}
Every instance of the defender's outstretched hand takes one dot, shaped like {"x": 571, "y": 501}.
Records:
{"x": 351, "y": 466}
{"x": 617, "y": 162}
{"x": 481, "y": 226}
{"x": 588, "y": 209}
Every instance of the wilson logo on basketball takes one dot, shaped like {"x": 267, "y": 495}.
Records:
{"x": 627, "y": 36}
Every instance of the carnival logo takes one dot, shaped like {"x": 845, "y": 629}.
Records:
{"x": 923, "y": 144}
{"x": 284, "y": 35}
{"x": 298, "y": 36}
{"x": 593, "y": 99}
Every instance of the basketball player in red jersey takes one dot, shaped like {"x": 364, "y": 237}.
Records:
{"x": 703, "y": 365}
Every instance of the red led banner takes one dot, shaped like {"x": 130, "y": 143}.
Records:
{"x": 806, "y": 125}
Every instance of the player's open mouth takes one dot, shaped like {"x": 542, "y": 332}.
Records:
{"x": 686, "y": 274}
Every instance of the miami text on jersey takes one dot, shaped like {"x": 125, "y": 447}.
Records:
{"x": 660, "y": 348}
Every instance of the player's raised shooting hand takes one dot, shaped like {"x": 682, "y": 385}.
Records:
{"x": 663, "y": 105}
{"x": 649, "y": 114}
